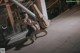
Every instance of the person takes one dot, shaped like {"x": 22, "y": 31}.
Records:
{"x": 32, "y": 26}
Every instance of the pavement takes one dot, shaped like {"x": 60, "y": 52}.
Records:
{"x": 63, "y": 36}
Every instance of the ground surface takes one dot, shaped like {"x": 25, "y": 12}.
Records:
{"x": 63, "y": 36}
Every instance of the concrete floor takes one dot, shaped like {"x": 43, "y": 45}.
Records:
{"x": 63, "y": 36}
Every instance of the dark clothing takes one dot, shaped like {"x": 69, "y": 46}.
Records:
{"x": 2, "y": 34}
{"x": 30, "y": 30}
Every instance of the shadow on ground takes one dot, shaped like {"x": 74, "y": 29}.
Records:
{"x": 20, "y": 44}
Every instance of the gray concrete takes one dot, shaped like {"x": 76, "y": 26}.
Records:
{"x": 63, "y": 36}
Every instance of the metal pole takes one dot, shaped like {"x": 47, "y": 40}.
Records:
{"x": 24, "y": 8}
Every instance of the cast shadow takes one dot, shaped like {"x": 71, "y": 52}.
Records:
{"x": 20, "y": 44}
{"x": 40, "y": 33}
